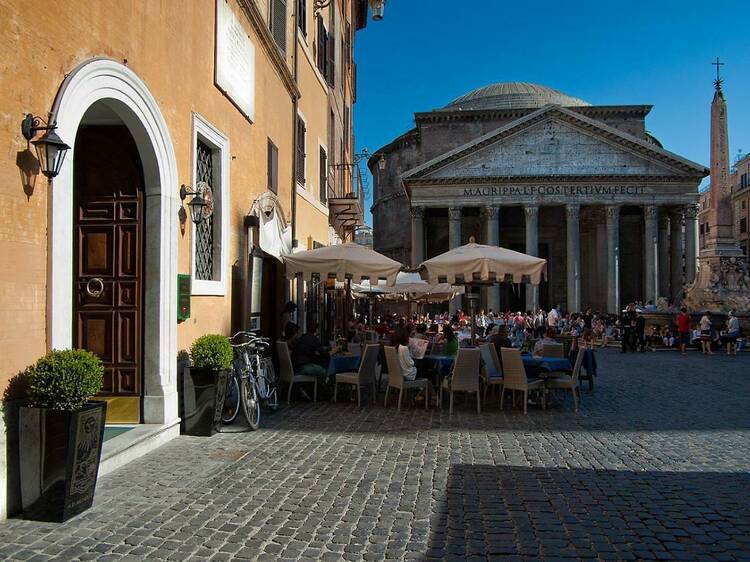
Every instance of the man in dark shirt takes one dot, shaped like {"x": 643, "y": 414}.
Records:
{"x": 627, "y": 324}
{"x": 309, "y": 357}
{"x": 500, "y": 340}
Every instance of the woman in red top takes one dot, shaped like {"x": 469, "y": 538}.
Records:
{"x": 683, "y": 326}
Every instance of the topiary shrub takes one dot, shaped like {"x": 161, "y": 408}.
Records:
{"x": 65, "y": 379}
{"x": 211, "y": 351}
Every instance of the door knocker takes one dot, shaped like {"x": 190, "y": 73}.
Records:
{"x": 95, "y": 287}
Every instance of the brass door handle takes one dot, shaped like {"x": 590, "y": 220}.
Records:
{"x": 95, "y": 287}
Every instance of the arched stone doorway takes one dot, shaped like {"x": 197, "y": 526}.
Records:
{"x": 105, "y": 90}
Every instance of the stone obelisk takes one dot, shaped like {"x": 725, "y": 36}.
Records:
{"x": 722, "y": 283}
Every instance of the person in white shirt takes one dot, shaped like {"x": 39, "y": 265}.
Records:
{"x": 401, "y": 342}
{"x": 553, "y": 318}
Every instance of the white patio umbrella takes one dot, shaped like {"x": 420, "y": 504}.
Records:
{"x": 481, "y": 264}
{"x": 407, "y": 283}
{"x": 342, "y": 261}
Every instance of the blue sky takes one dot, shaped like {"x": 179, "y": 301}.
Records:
{"x": 424, "y": 53}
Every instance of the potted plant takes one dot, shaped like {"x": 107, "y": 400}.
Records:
{"x": 60, "y": 435}
{"x": 204, "y": 384}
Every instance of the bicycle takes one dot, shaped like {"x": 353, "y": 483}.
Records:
{"x": 252, "y": 381}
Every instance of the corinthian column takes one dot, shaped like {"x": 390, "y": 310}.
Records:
{"x": 532, "y": 248}
{"x": 676, "y": 243}
{"x": 650, "y": 242}
{"x": 492, "y": 213}
{"x": 663, "y": 257}
{"x": 417, "y": 235}
{"x": 573, "y": 214}
{"x": 454, "y": 241}
{"x": 613, "y": 259}
{"x": 691, "y": 242}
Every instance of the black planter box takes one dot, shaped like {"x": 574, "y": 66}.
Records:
{"x": 59, "y": 453}
{"x": 202, "y": 400}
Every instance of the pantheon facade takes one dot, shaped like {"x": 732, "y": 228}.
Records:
{"x": 529, "y": 168}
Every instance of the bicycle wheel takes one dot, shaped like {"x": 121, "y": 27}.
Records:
{"x": 272, "y": 400}
{"x": 231, "y": 401}
{"x": 267, "y": 380}
{"x": 250, "y": 403}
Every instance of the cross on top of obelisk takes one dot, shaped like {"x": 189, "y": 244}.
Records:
{"x": 718, "y": 80}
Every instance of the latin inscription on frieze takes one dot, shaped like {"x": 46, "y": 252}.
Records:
{"x": 554, "y": 190}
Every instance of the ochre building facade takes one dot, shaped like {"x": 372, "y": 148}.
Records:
{"x": 244, "y": 96}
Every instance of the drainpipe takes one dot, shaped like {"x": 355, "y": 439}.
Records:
{"x": 299, "y": 282}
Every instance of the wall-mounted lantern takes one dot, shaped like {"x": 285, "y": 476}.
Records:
{"x": 381, "y": 162}
{"x": 200, "y": 205}
{"x": 50, "y": 148}
{"x": 377, "y": 7}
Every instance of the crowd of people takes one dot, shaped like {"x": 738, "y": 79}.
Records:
{"x": 446, "y": 332}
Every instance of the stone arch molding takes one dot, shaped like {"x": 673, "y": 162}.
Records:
{"x": 110, "y": 82}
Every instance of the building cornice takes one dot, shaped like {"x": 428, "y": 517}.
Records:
{"x": 551, "y": 179}
{"x": 253, "y": 15}
{"x": 438, "y": 115}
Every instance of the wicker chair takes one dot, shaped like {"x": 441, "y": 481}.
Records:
{"x": 514, "y": 378}
{"x": 465, "y": 376}
{"x": 492, "y": 375}
{"x": 570, "y": 382}
{"x": 556, "y": 350}
{"x": 287, "y": 372}
{"x": 364, "y": 377}
{"x": 396, "y": 379}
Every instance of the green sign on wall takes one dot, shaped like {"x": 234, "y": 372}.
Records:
{"x": 183, "y": 297}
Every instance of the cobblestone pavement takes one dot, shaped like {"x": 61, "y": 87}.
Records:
{"x": 656, "y": 465}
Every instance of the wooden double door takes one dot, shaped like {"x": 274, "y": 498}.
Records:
{"x": 109, "y": 211}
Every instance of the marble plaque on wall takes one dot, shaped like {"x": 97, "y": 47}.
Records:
{"x": 235, "y": 60}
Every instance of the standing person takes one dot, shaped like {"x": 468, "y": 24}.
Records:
{"x": 733, "y": 332}
{"x": 705, "y": 327}
{"x": 588, "y": 320}
{"x": 627, "y": 323}
{"x": 640, "y": 331}
{"x": 553, "y": 317}
{"x": 683, "y": 327}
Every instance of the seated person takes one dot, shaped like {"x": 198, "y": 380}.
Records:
{"x": 450, "y": 341}
{"x": 420, "y": 332}
{"x": 667, "y": 337}
{"x": 309, "y": 357}
{"x": 499, "y": 338}
{"x": 695, "y": 337}
{"x": 291, "y": 334}
{"x": 401, "y": 343}
{"x": 548, "y": 339}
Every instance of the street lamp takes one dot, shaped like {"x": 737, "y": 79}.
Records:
{"x": 200, "y": 206}
{"x": 50, "y": 148}
{"x": 381, "y": 162}
{"x": 377, "y": 7}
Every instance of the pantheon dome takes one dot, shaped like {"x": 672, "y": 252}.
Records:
{"x": 514, "y": 95}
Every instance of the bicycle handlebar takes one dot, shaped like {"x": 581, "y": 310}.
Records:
{"x": 252, "y": 340}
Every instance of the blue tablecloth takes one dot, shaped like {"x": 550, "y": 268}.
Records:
{"x": 546, "y": 363}
{"x": 440, "y": 363}
{"x": 343, "y": 364}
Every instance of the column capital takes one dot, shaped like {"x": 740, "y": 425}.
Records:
{"x": 677, "y": 213}
{"x": 573, "y": 211}
{"x": 650, "y": 211}
{"x": 612, "y": 211}
{"x": 691, "y": 211}
{"x": 492, "y": 211}
{"x": 531, "y": 211}
{"x": 416, "y": 212}
{"x": 454, "y": 213}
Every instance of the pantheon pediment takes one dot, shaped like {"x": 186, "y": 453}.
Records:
{"x": 554, "y": 141}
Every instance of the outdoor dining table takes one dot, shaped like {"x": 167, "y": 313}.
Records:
{"x": 546, "y": 364}
{"x": 343, "y": 363}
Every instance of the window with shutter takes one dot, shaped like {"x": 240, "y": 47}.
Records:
{"x": 322, "y": 44}
{"x": 301, "y": 133}
{"x": 273, "y": 167}
{"x": 302, "y": 16}
{"x": 331, "y": 60}
{"x": 323, "y": 175}
{"x": 277, "y": 23}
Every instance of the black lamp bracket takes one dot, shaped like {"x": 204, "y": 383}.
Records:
{"x": 356, "y": 159}
{"x": 31, "y": 124}
{"x": 186, "y": 190}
